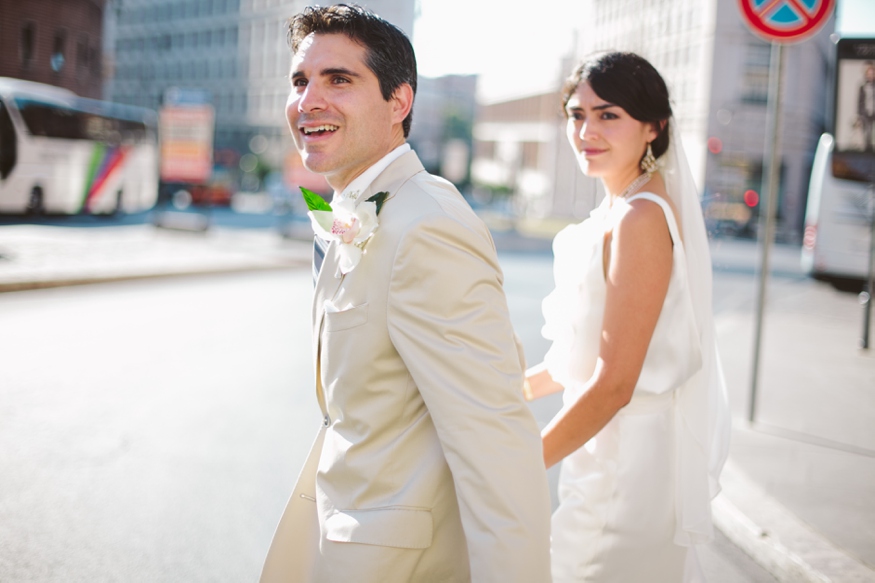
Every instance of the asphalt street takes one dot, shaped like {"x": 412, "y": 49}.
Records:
{"x": 151, "y": 431}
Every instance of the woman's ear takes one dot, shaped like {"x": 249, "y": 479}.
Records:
{"x": 656, "y": 128}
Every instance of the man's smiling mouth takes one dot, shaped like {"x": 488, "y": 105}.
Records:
{"x": 320, "y": 130}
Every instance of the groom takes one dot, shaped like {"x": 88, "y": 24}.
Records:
{"x": 431, "y": 469}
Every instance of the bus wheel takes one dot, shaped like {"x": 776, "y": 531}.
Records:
{"x": 118, "y": 209}
{"x": 35, "y": 202}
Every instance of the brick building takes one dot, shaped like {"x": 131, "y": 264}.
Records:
{"x": 53, "y": 41}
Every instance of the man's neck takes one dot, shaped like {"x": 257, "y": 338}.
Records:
{"x": 339, "y": 183}
{"x": 366, "y": 176}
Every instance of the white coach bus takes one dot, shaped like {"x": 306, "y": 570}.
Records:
{"x": 64, "y": 154}
{"x": 836, "y": 243}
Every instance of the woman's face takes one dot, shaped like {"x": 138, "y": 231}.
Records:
{"x": 609, "y": 143}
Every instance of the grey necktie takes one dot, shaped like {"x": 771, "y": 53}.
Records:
{"x": 320, "y": 245}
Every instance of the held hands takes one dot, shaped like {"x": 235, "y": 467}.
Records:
{"x": 539, "y": 383}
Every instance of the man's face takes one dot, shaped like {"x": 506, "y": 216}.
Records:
{"x": 870, "y": 74}
{"x": 338, "y": 118}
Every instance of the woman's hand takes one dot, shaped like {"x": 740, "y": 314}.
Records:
{"x": 539, "y": 383}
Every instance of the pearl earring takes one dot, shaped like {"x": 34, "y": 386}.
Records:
{"x": 648, "y": 163}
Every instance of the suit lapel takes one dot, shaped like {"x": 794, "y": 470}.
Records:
{"x": 327, "y": 283}
{"x": 329, "y": 280}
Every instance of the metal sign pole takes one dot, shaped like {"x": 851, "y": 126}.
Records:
{"x": 866, "y": 296}
{"x": 767, "y": 215}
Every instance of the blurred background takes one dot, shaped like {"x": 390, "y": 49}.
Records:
{"x": 151, "y": 427}
{"x": 207, "y": 81}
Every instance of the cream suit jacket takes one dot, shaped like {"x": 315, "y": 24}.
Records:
{"x": 432, "y": 467}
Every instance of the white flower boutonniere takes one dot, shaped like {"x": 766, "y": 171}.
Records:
{"x": 350, "y": 225}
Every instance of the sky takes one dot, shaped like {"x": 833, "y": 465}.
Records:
{"x": 519, "y": 51}
{"x": 516, "y": 51}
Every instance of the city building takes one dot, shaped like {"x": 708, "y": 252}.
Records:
{"x": 443, "y": 119}
{"x": 234, "y": 50}
{"x": 53, "y": 41}
{"x": 717, "y": 72}
{"x": 520, "y": 149}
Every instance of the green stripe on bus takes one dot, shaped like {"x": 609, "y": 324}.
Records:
{"x": 93, "y": 166}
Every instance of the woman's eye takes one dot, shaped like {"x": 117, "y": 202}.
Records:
{"x": 341, "y": 80}
{"x": 609, "y": 115}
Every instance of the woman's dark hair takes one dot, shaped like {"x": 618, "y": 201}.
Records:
{"x": 630, "y": 81}
{"x": 390, "y": 55}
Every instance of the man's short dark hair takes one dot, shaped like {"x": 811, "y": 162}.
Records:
{"x": 390, "y": 55}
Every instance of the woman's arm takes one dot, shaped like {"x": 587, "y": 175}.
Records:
{"x": 637, "y": 277}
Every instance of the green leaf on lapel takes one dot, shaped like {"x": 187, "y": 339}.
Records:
{"x": 379, "y": 199}
{"x": 314, "y": 201}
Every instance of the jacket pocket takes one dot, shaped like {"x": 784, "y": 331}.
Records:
{"x": 393, "y": 526}
{"x": 344, "y": 319}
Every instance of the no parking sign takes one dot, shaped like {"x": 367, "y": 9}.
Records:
{"x": 780, "y": 22}
{"x": 785, "y": 21}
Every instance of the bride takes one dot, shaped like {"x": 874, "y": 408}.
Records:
{"x": 644, "y": 429}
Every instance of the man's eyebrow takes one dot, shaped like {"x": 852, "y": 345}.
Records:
{"x": 338, "y": 71}
{"x": 328, "y": 72}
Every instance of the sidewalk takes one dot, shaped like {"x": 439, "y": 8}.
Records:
{"x": 798, "y": 488}
{"x": 799, "y": 484}
{"x": 42, "y": 256}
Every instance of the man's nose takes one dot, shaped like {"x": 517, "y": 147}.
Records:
{"x": 311, "y": 99}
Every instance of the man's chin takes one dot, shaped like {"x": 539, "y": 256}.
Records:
{"x": 317, "y": 164}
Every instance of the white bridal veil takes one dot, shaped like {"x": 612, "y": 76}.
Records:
{"x": 703, "y": 420}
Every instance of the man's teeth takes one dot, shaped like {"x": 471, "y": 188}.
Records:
{"x": 322, "y": 128}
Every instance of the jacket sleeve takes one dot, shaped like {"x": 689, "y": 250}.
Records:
{"x": 449, "y": 322}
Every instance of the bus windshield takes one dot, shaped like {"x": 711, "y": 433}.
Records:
{"x": 8, "y": 144}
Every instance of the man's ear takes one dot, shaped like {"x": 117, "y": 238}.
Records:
{"x": 402, "y": 102}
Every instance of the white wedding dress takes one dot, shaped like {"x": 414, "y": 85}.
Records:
{"x": 635, "y": 499}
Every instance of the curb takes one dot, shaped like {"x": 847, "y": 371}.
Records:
{"x": 776, "y": 539}
{"x": 51, "y": 282}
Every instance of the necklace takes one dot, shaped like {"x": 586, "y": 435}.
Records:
{"x": 636, "y": 184}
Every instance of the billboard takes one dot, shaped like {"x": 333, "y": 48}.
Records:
{"x": 185, "y": 127}
{"x": 854, "y": 154}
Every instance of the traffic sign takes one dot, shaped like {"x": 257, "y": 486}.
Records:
{"x": 786, "y": 21}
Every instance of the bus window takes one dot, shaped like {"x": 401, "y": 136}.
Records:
{"x": 8, "y": 146}
{"x": 52, "y": 121}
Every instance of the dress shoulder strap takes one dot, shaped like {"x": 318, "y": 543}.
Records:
{"x": 666, "y": 209}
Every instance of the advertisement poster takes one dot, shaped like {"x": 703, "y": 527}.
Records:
{"x": 185, "y": 127}
{"x": 855, "y": 96}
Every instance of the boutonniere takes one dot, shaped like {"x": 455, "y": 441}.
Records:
{"x": 349, "y": 224}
